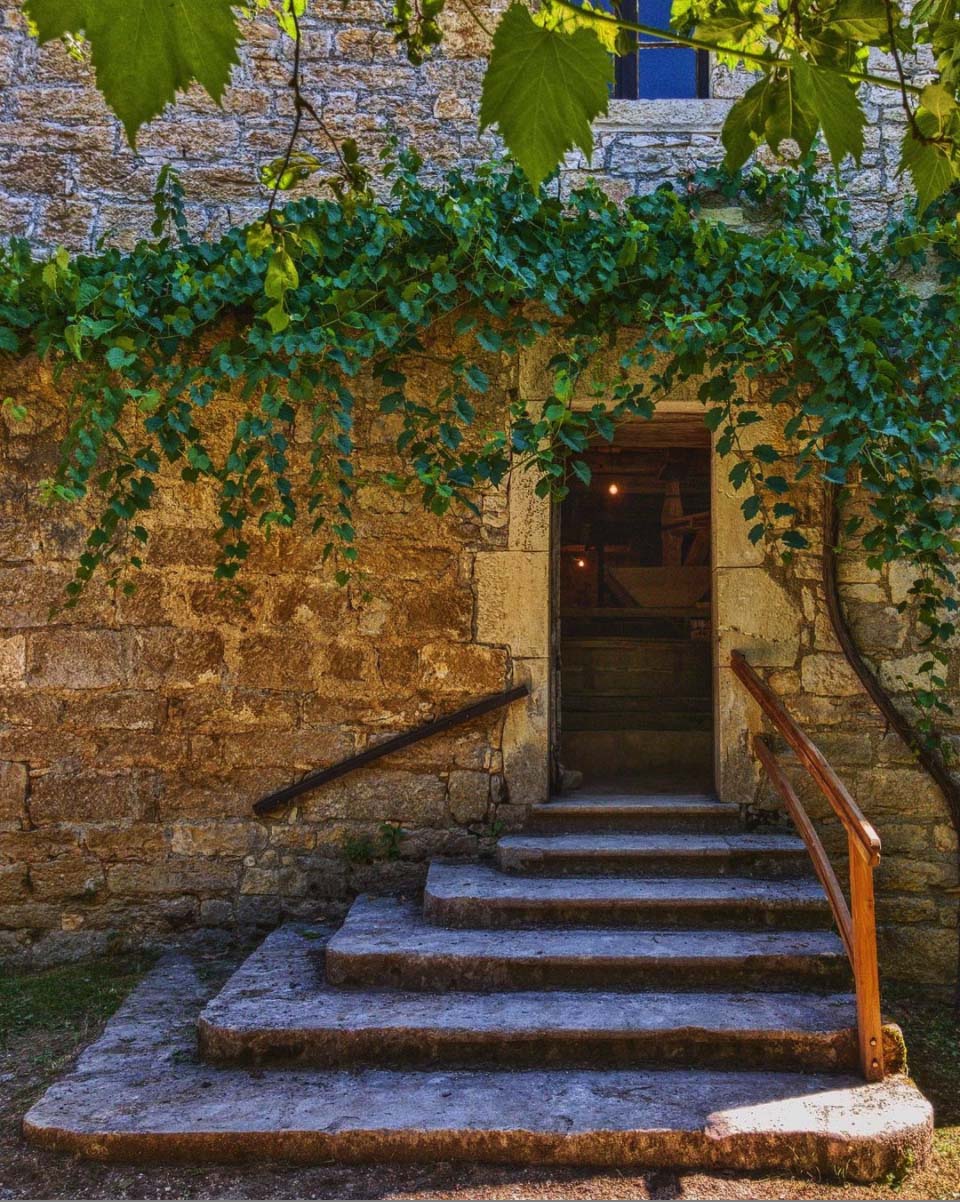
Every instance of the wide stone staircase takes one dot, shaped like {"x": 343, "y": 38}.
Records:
{"x": 635, "y": 981}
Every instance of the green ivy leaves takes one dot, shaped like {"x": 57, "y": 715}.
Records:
{"x": 145, "y": 52}
{"x": 316, "y": 316}
{"x": 543, "y": 89}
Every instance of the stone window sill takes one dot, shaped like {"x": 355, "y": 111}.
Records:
{"x": 665, "y": 116}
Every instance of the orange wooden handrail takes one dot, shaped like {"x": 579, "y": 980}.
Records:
{"x": 832, "y": 787}
{"x": 857, "y": 923}
{"x": 821, "y": 861}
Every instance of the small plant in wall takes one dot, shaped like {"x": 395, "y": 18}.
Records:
{"x": 359, "y": 849}
{"x": 362, "y": 849}
{"x": 392, "y": 836}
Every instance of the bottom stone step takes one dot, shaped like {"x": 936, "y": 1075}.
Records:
{"x": 139, "y": 1093}
{"x": 277, "y": 1009}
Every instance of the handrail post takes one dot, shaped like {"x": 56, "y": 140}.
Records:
{"x": 865, "y": 967}
{"x": 858, "y": 923}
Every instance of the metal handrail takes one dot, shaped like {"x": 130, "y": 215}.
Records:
{"x": 277, "y": 800}
{"x": 857, "y": 923}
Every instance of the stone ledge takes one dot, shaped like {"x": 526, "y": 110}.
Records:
{"x": 386, "y": 942}
{"x": 704, "y": 116}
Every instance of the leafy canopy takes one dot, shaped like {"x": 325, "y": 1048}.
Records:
{"x": 549, "y": 68}
{"x": 145, "y": 52}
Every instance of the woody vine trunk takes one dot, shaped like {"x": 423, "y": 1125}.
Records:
{"x": 930, "y": 759}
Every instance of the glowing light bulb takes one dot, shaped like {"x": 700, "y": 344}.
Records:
{"x": 581, "y": 563}
{"x": 613, "y": 489}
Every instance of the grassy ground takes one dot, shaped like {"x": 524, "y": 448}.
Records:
{"x": 45, "y": 1018}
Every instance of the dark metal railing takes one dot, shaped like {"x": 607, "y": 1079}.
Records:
{"x": 276, "y": 801}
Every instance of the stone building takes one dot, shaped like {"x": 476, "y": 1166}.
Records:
{"x": 137, "y": 732}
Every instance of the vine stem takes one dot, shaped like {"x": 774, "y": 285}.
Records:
{"x": 477, "y": 19}
{"x": 911, "y": 115}
{"x": 297, "y": 115}
{"x": 301, "y": 105}
{"x": 932, "y": 763}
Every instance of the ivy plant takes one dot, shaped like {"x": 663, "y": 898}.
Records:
{"x": 298, "y": 312}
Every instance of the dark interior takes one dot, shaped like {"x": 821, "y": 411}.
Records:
{"x": 635, "y": 606}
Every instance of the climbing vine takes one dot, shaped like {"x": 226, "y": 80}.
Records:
{"x": 298, "y": 313}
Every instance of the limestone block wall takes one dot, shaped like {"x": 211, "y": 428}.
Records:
{"x": 136, "y": 732}
{"x": 68, "y": 177}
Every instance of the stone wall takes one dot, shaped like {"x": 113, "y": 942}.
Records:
{"x": 68, "y": 177}
{"x": 136, "y": 732}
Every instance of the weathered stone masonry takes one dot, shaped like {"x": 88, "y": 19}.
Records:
{"x": 136, "y": 732}
{"x": 67, "y": 176}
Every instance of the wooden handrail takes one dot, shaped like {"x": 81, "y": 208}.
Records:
{"x": 857, "y": 923}
{"x": 275, "y": 801}
{"x": 832, "y": 787}
{"x": 808, "y": 832}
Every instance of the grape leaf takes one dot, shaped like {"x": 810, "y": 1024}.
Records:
{"x": 860, "y": 20}
{"x": 834, "y": 103}
{"x": 929, "y": 167}
{"x": 543, "y": 89}
{"x": 54, "y": 19}
{"x": 788, "y": 115}
{"x": 565, "y": 20}
{"x": 743, "y": 127}
{"x": 144, "y": 52}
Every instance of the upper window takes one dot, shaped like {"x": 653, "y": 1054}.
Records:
{"x": 659, "y": 69}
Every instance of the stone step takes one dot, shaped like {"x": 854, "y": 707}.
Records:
{"x": 650, "y": 814}
{"x": 662, "y": 855}
{"x": 277, "y": 1008}
{"x": 385, "y": 942}
{"x": 476, "y": 895}
{"x": 139, "y": 1094}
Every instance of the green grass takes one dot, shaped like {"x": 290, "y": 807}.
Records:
{"x": 67, "y": 1001}
{"x": 931, "y": 1028}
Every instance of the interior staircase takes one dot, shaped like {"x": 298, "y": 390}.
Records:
{"x": 634, "y": 981}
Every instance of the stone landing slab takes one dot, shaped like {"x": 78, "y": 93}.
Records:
{"x": 141, "y": 1093}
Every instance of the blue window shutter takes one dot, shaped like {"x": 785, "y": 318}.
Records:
{"x": 657, "y": 70}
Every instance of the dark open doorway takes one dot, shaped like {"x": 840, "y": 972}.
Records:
{"x": 635, "y": 625}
